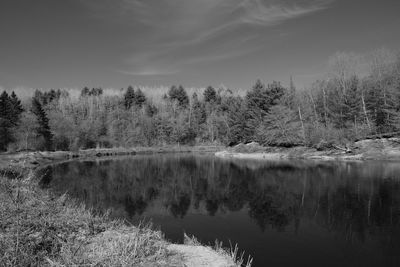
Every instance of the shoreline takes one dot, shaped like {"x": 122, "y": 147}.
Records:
{"x": 378, "y": 149}
{"x": 81, "y": 220}
{"x": 90, "y": 237}
{"x": 36, "y": 159}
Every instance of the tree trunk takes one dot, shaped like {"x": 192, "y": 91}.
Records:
{"x": 325, "y": 109}
{"x": 365, "y": 112}
{"x": 302, "y": 125}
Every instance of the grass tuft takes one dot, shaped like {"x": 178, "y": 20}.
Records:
{"x": 232, "y": 252}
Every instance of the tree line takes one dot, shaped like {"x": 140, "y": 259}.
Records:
{"x": 344, "y": 107}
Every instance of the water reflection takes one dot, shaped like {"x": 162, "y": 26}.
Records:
{"x": 353, "y": 202}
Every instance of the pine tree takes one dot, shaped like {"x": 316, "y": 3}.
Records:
{"x": 179, "y": 94}
{"x": 85, "y": 91}
{"x": 6, "y": 114}
{"x": 210, "y": 95}
{"x": 151, "y": 109}
{"x": 182, "y": 97}
{"x": 139, "y": 98}
{"x": 259, "y": 101}
{"x": 236, "y": 120}
{"x": 44, "y": 129}
{"x": 129, "y": 97}
{"x": 199, "y": 110}
{"x": 17, "y": 108}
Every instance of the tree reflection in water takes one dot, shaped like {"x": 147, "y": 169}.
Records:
{"x": 354, "y": 200}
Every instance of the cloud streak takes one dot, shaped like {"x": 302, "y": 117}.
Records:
{"x": 259, "y": 12}
{"x": 149, "y": 72}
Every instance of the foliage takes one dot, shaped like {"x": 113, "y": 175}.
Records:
{"x": 345, "y": 107}
{"x": 10, "y": 115}
{"x": 179, "y": 94}
{"x": 210, "y": 95}
{"x": 43, "y": 129}
{"x": 280, "y": 127}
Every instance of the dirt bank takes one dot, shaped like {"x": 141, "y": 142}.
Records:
{"x": 377, "y": 149}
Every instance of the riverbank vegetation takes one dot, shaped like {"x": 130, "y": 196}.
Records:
{"x": 344, "y": 107}
{"x": 39, "y": 228}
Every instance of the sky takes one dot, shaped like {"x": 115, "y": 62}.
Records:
{"x": 196, "y": 43}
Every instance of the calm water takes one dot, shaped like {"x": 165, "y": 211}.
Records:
{"x": 284, "y": 214}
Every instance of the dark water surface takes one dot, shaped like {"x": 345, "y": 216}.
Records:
{"x": 284, "y": 214}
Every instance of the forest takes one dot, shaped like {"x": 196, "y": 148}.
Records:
{"x": 355, "y": 100}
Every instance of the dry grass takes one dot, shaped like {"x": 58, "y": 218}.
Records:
{"x": 38, "y": 229}
{"x": 232, "y": 252}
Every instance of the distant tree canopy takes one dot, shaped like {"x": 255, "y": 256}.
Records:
{"x": 132, "y": 98}
{"x": 91, "y": 92}
{"x": 179, "y": 94}
{"x": 210, "y": 95}
{"x": 345, "y": 107}
{"x": 129, "y": 97}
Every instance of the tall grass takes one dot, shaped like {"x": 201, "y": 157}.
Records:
{"x": 38, "y": 229}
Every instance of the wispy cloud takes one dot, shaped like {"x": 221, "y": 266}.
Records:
{"x": 149, "y": 72}
{"x": 268, "y": 13}
{"x": 187, "y": 32}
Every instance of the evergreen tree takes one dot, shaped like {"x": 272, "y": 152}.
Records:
{"x": 17, "y": 108}
{"x": 236, "y": 120}
{"x": 139, "y": 98}
{"x": 6, "y": 115}
{"x": 85, "y": 91}
{"x": 150, "y": 109}
{"x": 44, "y": 129}
{"x": 179, "y": 94}
{"x": 183, "y": 98}
{"x": 259, "y": 100}
{"x": 129, "y": 97}
{"x": 199, "y": 111}
{"x": 210, "y": 95}
{"x": 96, "y": 92}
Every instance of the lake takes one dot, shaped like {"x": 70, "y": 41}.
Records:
{"x": 287, "y": 213}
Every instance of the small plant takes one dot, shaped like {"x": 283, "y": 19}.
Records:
{"x": 233, "y": 253}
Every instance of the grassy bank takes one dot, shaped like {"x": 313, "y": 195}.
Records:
{"x": 38, "y": 228}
